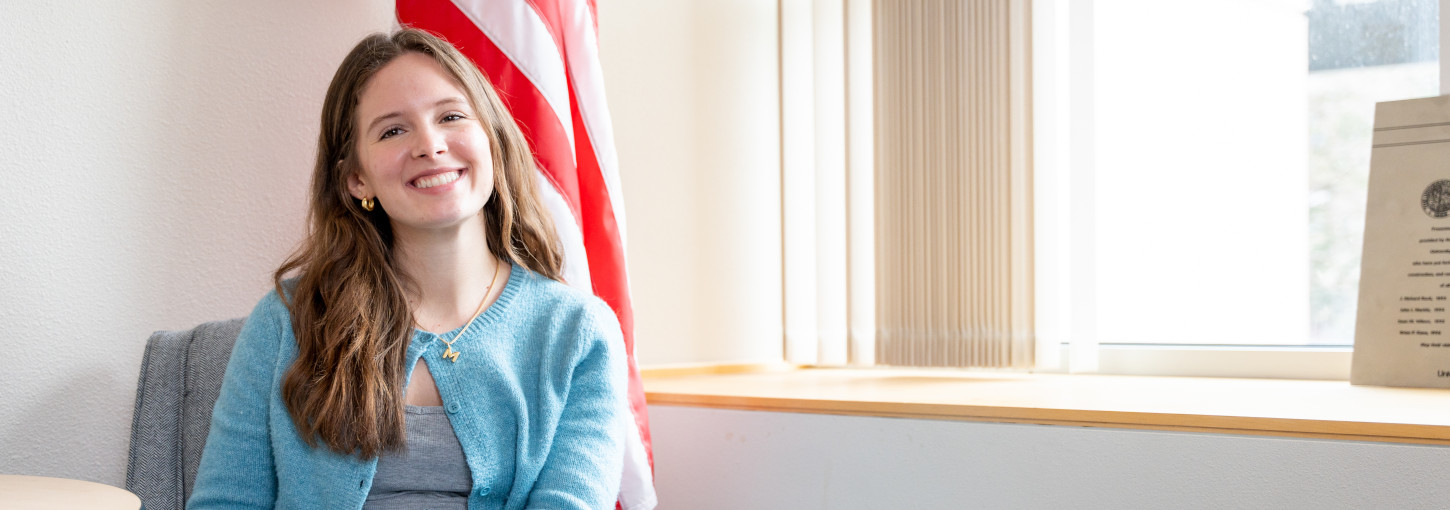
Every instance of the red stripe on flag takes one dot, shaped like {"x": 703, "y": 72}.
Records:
{"x": 602, "y": 243}
{"x": 531, "y": 111}
{"x": 607, "y": 270}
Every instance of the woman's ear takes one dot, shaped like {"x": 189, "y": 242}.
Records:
{"x": 356, "y": 186}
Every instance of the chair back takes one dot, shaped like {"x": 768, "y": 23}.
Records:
{"x": 181, "y": 376}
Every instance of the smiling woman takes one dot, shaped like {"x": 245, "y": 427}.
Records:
{"x": 419, "y": 349}
{"x": 424, "y": 153}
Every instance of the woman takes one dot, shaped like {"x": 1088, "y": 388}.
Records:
{"x": 425, "y": 354}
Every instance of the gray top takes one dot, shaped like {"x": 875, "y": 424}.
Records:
{"x": 429, "y": 473}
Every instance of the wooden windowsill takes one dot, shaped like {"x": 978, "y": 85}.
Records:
{"x": 1269, "y": 407}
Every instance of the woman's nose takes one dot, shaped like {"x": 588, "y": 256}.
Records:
{"x": 430, "y": 143}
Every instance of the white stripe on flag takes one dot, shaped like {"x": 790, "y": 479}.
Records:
{"x": 571, "y": 239}
{"x": 524, "y": 38}
{"x": 637, "y": 487}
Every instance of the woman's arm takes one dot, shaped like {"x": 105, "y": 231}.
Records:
{"x": 586, "y": 460}
{"x": 236, "y": 465}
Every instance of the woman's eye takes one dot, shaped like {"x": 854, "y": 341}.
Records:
{"x": 452, "y": 117}
{"x": 391, "y": 132}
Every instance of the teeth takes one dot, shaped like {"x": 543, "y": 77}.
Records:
{"x": 436, "y": 180}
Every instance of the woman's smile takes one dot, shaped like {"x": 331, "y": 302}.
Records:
{"x": 438, "y": 179}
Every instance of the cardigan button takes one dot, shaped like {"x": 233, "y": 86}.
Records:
{"x": 482, "y": 491}
{"x": 453, "y": 407}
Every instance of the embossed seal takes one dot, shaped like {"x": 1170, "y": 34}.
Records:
{"x": 1436, "y": 200}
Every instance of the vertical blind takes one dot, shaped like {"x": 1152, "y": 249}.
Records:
{"x": 952, "y": 183}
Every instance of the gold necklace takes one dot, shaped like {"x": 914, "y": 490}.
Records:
{"x": 452, "y": 355}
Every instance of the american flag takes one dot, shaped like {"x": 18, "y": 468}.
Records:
{"x": 543, "y": 58}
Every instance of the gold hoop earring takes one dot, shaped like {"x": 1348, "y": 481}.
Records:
{"x": 367, "y": 204}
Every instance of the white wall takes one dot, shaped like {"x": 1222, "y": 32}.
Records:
{"x": 694, "y": 90}
{"x": 155, "y": 159}
{"x": 722, "y": 459}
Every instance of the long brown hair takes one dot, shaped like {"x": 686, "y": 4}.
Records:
{"x": 349, "y": 309}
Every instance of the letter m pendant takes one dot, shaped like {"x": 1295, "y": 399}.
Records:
{"x": 451, "y": 355}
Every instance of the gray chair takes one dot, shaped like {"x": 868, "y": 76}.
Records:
{"x": 181, "y": 376}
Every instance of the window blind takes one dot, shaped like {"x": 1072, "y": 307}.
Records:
{"x": 953, "y": 236}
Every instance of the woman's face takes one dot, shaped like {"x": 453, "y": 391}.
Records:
{"x": 421, "y": 149}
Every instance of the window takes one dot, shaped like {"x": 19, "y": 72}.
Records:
{"x": 1208, "y": 162}
{"x": 1195, "y": 176}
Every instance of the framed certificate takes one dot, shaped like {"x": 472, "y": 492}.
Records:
{"x": 1401, "y": 335}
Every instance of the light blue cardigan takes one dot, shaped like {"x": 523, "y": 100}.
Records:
{"x": 536, "y": 399}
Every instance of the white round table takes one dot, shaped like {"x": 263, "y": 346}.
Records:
{"x": 20, "y": 492}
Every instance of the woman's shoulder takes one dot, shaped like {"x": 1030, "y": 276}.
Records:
{"x": 270, "y": 320}
{"x": 551, "y": 292}
{"x": 273, "y": 305}
{"x": 565, "y": 302}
